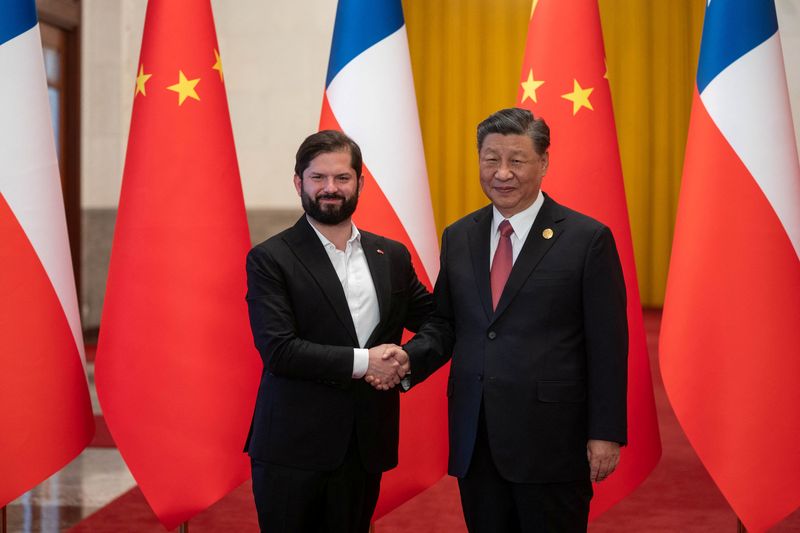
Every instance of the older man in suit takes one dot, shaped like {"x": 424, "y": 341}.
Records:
{"x": 324, "y": 297}
{"x": 530, "y": 303}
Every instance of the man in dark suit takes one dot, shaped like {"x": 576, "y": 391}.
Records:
{"x": 530, "y": 302}
{"x": 323, "y": 298}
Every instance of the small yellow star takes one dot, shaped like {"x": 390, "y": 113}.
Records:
{"x": 218, "y": 66}
{"x": 141, "y": 79}
{"x": 579, "y": 97}
{"x": 529, "y": 87}
{"x": 185, "y": 88}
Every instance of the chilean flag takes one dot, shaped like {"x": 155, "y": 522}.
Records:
{"x": 45, "y": 413}
{"x": 369, "y": 95}
{"x": 730, "y": 337}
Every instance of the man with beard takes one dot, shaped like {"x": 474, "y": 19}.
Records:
{"x": 324, "y": 299}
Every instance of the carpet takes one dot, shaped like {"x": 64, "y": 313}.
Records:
{"x": 679, "y": 496}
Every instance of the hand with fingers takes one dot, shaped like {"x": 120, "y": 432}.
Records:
{"x": 388, "y": 364}
{"x": 603, "y": 458}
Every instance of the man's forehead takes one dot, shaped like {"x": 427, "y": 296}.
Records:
{"x": 511, "y": 142}
{"x": 337, "y": 158}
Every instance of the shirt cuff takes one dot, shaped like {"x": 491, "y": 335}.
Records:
{"x": 360, "y": 362}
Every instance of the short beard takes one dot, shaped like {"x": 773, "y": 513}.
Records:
{"x": 331, "y": 215}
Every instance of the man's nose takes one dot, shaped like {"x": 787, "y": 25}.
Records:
{"x": 330, "y": 184}
{"x": 503, "y": 171}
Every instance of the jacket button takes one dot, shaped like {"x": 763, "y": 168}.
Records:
{"x": 480, "y": 378}
{"x": 492, "y": 335}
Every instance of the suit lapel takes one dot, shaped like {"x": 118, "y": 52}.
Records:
{"x": 305, "y": 244}
{"x": 535, "y": 247}
{"x": 478, "y": 236}
{"x": 378, "y": 262}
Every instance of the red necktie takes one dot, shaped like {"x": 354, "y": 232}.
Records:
{"x": 501, "y": 265}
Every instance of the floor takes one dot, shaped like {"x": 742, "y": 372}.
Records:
{"x": 679, "y": 495}
{"x": 92, "y": 480}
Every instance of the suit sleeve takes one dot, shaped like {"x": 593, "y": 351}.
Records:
{"x": 273, "y": 323}
{"x": 606, "y": 330}
{"x": 420, "y": 299}
{"x": 432, "y": 346}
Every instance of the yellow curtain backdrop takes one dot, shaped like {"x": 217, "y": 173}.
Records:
{"x": 466, "y": 56}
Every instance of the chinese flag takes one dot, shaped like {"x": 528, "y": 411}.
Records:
{"x": 564, "y": 81}
{"x": 730, "y": 335}
{"x": 176, "y": 370}
{"x": 45, "y": 412}
{"x": 369, "y": 94}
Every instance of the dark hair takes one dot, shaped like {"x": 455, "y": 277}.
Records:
{"x": 516, "y": 121}
{"x": 324, "y": 142}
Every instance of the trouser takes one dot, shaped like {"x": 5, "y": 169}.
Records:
{"x": 293, "y": 500}
{"x": 492, "y": 504}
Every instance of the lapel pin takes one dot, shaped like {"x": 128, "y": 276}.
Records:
{"x": 547, "y": 233}
{"x": 379, "y": 251}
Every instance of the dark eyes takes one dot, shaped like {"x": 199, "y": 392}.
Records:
{"x": 342, "y": 178}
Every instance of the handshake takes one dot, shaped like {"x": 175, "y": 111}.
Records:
{"x": 388, "y": 363}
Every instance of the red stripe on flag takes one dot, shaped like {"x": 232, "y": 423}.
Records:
{"x": 45, "y": 411}
{"x": 423, "y": 414}
{"x": 730, "y": 335}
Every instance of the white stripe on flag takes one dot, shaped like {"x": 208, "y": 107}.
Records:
{"x": 374, "y": 102}
{"x": 29, "y": 176}
{"x": 749, "y": 103}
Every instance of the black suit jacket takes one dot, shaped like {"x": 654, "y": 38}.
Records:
{"x": 550, "y": 364}
{"x": 308, "y": 405}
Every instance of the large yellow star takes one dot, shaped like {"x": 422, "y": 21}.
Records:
{"x": 141, "y": 79}
{"x": 218, "y": 66}
{"x": 529, "y": 87}
{"x": 185, "y": 88}
{"x": 579, "y": 97}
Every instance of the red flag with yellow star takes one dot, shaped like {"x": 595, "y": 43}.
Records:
{"x": 176, "y": 370}
{"x": 564, "y": 80}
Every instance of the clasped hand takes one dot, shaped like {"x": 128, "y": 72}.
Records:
{"x": 388, "y": 363}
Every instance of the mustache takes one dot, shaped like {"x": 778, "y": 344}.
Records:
{"x": 330, "y": 197}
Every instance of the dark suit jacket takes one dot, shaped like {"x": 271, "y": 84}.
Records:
{"x": 308, "y": 405}
{"x": 550, "y": 364}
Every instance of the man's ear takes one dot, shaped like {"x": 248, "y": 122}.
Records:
{"x": 298, "y": 184}
{"x": 360, "y": 183}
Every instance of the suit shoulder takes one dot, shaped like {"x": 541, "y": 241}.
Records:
{"x": 271, "y": 245}
{"x": 385, "y": 244}
{"x": 580, "y": 220}
{"x": 470, "y": 219}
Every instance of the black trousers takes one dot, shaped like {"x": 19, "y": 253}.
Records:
{"x": 492, "y": 504}
{"x": 293, "y": 500}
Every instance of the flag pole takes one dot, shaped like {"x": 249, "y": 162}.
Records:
{"x": 184, "y": 527}
{"x": 739, "y": 526}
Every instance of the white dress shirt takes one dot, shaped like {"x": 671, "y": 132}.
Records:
{"x": 522, "y": 223}
{"x": 359, "y": 290}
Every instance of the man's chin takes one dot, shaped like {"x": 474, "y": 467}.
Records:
{"x": 328, "y": 217}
